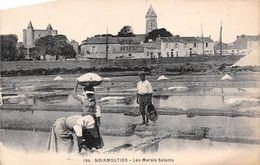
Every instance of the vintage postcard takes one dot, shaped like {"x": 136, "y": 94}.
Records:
{"x": 138, "y": 82}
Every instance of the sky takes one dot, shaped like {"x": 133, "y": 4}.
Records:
{"x": 79, "y": 19}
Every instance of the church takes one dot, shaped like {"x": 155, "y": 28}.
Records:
{"x": 30, "y": 35}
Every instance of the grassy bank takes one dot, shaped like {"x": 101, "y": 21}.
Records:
{"x": 179, "y": 65}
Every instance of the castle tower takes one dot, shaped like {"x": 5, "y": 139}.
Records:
{"x": 29, "y": 36}
{"x": 151, "y": 20}
{"x": 49, "y": 27}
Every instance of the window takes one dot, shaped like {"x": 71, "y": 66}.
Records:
{"x": 195, "y": 45}
{"x": 151, "y": 53}
{"x": 147, "y": 53}
{"x": 171, "y": 49}
{"x": 172, "y": 54}
{"x": 93, "y": 49}
{"x": 167, "y": 54}
{"x": 177, "y": 54}
{"x": 207, "y": 44}
{"x": 129, "y": 55}
{"x": 185, "y": 45}
{"x": 159, "y": 54}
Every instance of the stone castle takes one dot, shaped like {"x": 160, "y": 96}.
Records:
{"x": 30, "y": 35}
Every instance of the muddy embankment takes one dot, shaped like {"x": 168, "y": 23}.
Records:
{"x": 215, "y": 125}
{"x": 176, "y": 65}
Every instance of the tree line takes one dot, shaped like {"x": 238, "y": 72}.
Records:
{"x": 55, "y": 46}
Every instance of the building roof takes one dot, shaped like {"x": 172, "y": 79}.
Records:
{"x": 30, "y": 25}
{"x": 151, "y": 12}
{"x": 171, "y": 39}
{"x": 129, "y": 40}
{"x": 250, "y": 37}
{"x": 49, "y": 27}
{"x": 141, "y": 36}
{"x": 240, "y": 42}
{"x": 113, "y": 40}
{"x": 102, "y": 40}
{"x": 186, "y": 39}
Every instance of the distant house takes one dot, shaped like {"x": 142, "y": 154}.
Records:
{"x": 243, "y": 45}
{"x": 152, "y": 49}
{"x": 75, "y": 46}
{"x": 177, "y": 46}
{"x": 117, "y": 47}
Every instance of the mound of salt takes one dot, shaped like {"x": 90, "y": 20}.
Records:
{"x": 112, "y": 98}
{"x": 243, "y": 101}
{"x": 179, "y": 89}
{"x": 162, "y": 77}
{"x": 252, "y": 59}
{"x": 58, "y": 78}
{"x": 106, "y": 79}
{"x": 89, "y": 79}
{"x": 227, "y": 77}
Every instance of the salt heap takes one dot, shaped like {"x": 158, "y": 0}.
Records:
{"x": 179, "y": 89}
{"x": 227, "y": 77}
{"x": 252, "y": 59}
{"x": 243, "y": 101}
{"x": 162, "y": 77}
{"x": 106, "y": 79}
{"x": 89, "y": 79}
{"x": 58, "y": 78}
{"x": 109, "y": 98}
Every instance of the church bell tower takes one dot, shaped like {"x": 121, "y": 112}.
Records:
{"x": 151, "y": 20}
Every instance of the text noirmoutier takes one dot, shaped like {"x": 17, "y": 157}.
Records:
{"x": 127, "y": 160}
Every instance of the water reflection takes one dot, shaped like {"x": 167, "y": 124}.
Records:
{"x": 200, "y": 97}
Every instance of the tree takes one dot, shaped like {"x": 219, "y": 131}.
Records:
{"x": 156, "y": 33}
{"x": 22, "y": 52}
{"x": 43, "y": 46}
{"x": 103, "y": 35}
{"x": 55, "y": 46}
{"x": 34, "y": 53}
{"x": 126, "y": 31}
{"x": 8, "y": 47}
{"x": 68, "y": 51}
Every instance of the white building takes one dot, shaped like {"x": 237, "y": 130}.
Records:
{"x": 243, "y": 45}
{"x": 117, "y": 47}
{"x": 177, "y": 46}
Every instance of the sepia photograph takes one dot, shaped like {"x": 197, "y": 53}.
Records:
{"x": 134, "y": 82}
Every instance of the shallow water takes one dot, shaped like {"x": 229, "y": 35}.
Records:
{"x": 212, "y": 98}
